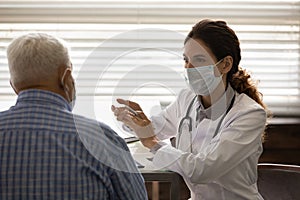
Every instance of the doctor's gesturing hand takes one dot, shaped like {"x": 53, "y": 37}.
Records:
{"x": 132, "y": 115}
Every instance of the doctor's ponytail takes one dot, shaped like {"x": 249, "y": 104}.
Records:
{"x": 223, "y": 41}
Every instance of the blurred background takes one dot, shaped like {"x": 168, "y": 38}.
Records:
{"x": 269, "y": 32}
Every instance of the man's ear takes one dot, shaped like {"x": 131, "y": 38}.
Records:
{"x": 66, "y": 77}
{"x": 226, "y": 64}
{"x": 13, "y": 87}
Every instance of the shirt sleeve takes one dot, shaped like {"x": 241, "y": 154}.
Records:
{"x": 239, "y": 138}
{"x": 156, "y": 147}
{"x": 128, "y": 185}
{"x": 116, "y": 166}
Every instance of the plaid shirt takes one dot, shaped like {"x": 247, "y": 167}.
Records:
{"x": 42, "y": 156}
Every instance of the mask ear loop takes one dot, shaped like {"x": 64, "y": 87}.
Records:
{"x": 219, "y": 62}
{"x": 215, "y": 65}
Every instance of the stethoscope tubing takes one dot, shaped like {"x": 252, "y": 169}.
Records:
{"x": 189, "y": 119}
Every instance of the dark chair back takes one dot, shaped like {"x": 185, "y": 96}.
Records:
{"x": 278, "y": 181}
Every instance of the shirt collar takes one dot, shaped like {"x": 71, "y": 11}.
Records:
{"x": 217, "y": 109}
{"x": 42, "y": 97}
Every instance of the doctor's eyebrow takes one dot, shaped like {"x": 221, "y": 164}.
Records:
{"x": 198, "y": 57}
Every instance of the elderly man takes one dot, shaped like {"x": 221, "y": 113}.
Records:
{"x": 46, "y": 152}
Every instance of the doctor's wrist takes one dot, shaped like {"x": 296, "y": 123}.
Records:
{"x": 157, "y": 146}
{"x": 149, "y": 142}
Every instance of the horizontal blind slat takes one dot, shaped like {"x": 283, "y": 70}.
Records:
{"x": 268, "y": 32}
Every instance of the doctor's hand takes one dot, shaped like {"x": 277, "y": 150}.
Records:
{"x": 132, "y": 115}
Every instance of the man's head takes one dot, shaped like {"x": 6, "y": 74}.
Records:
{"x": 40, "y": 61}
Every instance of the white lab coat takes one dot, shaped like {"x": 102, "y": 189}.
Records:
{"x": 223, "y": 167}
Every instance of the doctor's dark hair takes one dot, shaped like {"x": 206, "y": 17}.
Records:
{"x": 222, "y": 41}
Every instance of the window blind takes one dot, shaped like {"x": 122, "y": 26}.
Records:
{"x": 134, "y": 48}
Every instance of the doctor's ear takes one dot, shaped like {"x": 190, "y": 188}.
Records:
{"x": 226, "y": 64}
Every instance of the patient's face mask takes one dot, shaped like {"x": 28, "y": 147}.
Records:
{"x": 73, "y": 101}
{"x": 202, "y": 80}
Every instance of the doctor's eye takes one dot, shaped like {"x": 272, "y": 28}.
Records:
{"x": 198, "y": 60}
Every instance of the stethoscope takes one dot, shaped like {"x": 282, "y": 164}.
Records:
{"x": 188, "y": 119}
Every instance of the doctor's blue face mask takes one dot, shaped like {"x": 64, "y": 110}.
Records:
{"x": 202, "y": 80}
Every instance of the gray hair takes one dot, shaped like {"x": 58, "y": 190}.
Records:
{"x": 35, "y": 57}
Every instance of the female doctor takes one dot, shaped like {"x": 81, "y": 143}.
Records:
{"x": 218, "y": 122}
